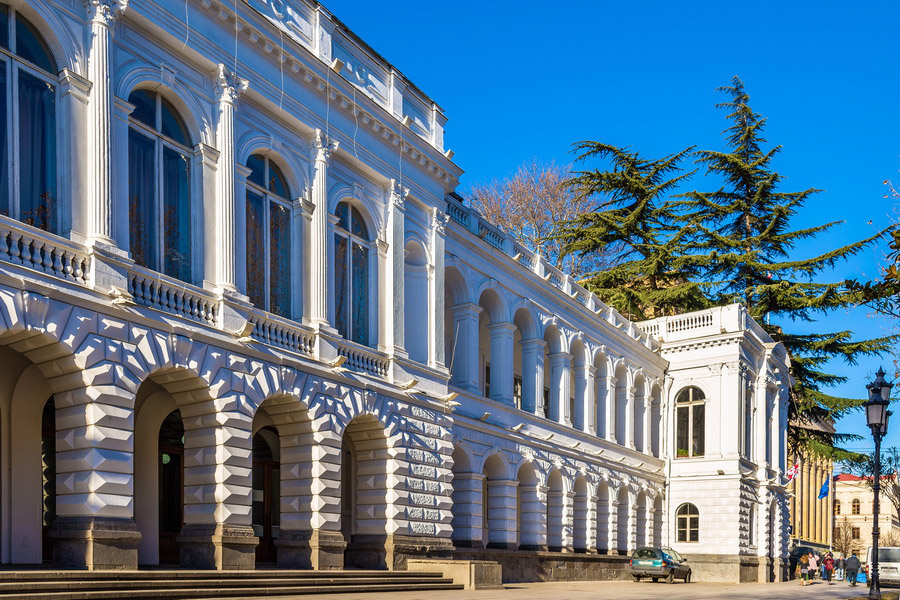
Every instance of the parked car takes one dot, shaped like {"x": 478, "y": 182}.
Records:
{"x": 659, "y": 563}
{"x": 888, "y": 565}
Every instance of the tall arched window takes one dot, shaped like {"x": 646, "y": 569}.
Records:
{"x": 159, "y": 196}
{"x": 27, "y": 124}
{"x": 690, "y": 422}
{"x": 687, "y": 523}
{"x": 837, "y": 507}
{"x": 855, "y": 507}
{"x": 351, "y": 274}
{"x": 268, "y": 236}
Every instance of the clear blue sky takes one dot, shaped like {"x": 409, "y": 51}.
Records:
{"x": 525, "y": 79}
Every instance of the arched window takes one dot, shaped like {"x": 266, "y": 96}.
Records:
{"x": 351, "y": 274}
{"x": 854, "y": 506}
{"x": 837, "y": 507}
{"x": 687, "y": 523}
{"x": 159, "y": 195}
{"x": 27, "y": 124}
{"x": 268, "y": 236}
{"x": 690, "y": 423}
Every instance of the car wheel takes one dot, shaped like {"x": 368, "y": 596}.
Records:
{"x": 636, "y": 579}
{"x": 687, "y": 578}
{"x": 670, "y": 578}
{"x": 655, "y": 579}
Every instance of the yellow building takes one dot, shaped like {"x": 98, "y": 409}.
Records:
{"x": 811, "y": 518}
{"x": 853, "y": 515}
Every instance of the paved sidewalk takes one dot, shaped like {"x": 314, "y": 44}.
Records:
{"x": 624, "y": 590}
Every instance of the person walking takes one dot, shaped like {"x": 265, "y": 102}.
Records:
{"x": 804, "y": 569}
{"x": 851, "y": 569}
{"x": 839, "y": 569}
{"x": 828, "y": 567}
{"x": 813, "y": 566}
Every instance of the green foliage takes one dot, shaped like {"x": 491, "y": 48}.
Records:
{"x": 732, "y": 244}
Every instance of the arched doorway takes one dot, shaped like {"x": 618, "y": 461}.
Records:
{"x": 266, "y": 493}
{"x": 171, "y": 487}
{"x": 48, "y": 478}
{"x": 364, "y": 509}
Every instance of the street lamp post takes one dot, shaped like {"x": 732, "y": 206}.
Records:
{"x": 877, "y": 416}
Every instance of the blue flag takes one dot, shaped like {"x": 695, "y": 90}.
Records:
{"x": 823, "y": 493}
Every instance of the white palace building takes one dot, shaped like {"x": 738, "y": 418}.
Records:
{"x": 245, "y": 319}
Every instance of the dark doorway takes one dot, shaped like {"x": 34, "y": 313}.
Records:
{"x": 48, "y": 477}
{"x": 266, "y": 493}
{"x": 348, "y": 491}
{"x": 171, "y": 487}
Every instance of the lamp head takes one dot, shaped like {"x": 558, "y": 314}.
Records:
{"x": 877, "y": 413}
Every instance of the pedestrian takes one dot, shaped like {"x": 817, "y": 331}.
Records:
{"x": 839, "y": 569}
{"x": 804, "y": 569}
{"x": 813, "y": 566}
{"x": 828, "y": 566}
{"x": 851, "y": 569}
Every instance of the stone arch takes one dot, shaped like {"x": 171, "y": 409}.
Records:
{"x": 532, "y": 525}
{"x": 67, "y": 48}
{"x": 601, "y": 393}
{"x": 492, "y": 324}
{"x": 656, "y": 417}
{"x": 557, "y": 526}
{"x": 581, "y": 510}
{"x": 658, "y": 510}
{"x": 579, "y": 379}
{"x": 368, "y": 208}
{"x": 555, "y": 380}
{"x": 624, "y": 526}
{"x": 256, "y": 143}
{"x": 467, "y": 505}
{"x": 639, "y": 437}
{"x": 603, "y": 514}
{"x": 498, "y": 527}
{"x": 525, "y": 358}
{"x": 642, "y": 519}
{"x": 135, "y": 75}
{"x": 460, "y": 341}
{"x": 365, "y": 512}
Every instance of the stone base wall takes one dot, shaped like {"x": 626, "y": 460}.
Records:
{"x": 719, "y": 568}
{"x": 521, "y": 566}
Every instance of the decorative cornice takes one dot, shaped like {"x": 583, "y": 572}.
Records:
{"x": 229, "y": 86}
{"x": 105, "y": 12}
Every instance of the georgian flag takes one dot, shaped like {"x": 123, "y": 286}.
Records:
{"x": 792, "y": 472}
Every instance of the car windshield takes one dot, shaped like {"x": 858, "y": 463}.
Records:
{"x": 669, "y": 553}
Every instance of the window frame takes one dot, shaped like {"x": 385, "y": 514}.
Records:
{"x": 370, "y": 268}
{"x": 690, "y": 405}
{"x": 855, "y": 507}
{"x": 13, "y": 64}
{"x": 683, "y": 524}
{"x": 161, "y": 142}
{"x": 269, "y": 197}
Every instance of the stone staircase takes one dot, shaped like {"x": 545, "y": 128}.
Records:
{"x": 190, "y": 585}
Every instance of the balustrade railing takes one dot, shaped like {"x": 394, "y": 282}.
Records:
{"x": 36, "y": 249}
{"x": 168, "y": 295}
{"x": 363, "y": 359}
{"x": 282, "y": 333}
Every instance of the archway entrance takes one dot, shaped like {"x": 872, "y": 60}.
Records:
{"x": 171, "y": 487}
{"x": 48, "y": 478}
{"x": 364, "y": 504}
{"x": 266, "y": 493}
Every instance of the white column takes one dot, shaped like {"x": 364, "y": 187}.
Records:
{"x": 465, "y": 346}
{"x": 613, "y": 523}
{"x": 228, "y": 87}
{"x": 559, "y": 387}
{"x": 397, "y": 271}
{"x": 468, "y": 510}
{"x": 533, "y": 376}
{"x": 583, "y": 418}
{"x": 318, "y": 243}
{"x": 501, "y": 502}
{"x": 629, "y": 416}
{"x": 502, "y": 362}
{"x": 437, "y": 346}
{"x": 610, "y": 433}
{"x": 102, "y": 15}
{"x": 648, "y": 433}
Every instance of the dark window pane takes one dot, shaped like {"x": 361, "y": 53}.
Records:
{"x": 176, "y": 215}
{"x": 681, "y": 431}
{"x": 37, "y": 152}
{"x": 256, "y": 250}
{"x": 257, "y": 166}
{"x": 30, "y": 45}
{"x": 341, "y": 285}
{"x": 172, "y": 125}
{"x": 699, "y": 434}
{"x": 144, "y": 107}
{"x": 341, "y": 213}
{"x": 4, "y": 142}
{"x": 358, "y": 226}
{"x": 360, "y": 301}
{"x": 277, "y": 182}
{"x": 280, "y": 259}
{"x": 141, "y": 197}
{"x": 4, "y": 26}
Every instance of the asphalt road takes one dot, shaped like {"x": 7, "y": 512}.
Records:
{"x": 622, "y": 590}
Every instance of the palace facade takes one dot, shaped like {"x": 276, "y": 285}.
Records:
{"x": 245, "y": 319}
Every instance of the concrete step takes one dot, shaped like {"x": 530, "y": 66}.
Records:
{"x": 152, "y": 574}
{"x": 235, "y": 592}
{"x": 8, "y": 587}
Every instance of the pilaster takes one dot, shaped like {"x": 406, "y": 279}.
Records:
{"x": 397, "y": 268}
{"x": 560, "y": 363}
{"x": 502, "y": 362}
{"x": 533, "y": 375}
{"x": 464, "y": 355}
{"x": 318, "y": 246}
